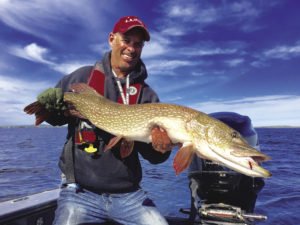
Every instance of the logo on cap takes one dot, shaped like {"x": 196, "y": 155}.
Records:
{"x": 128, "y": 22}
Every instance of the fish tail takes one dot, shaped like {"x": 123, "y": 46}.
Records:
{"x": 33, "y": 108}
{"x": 41, "y": 114}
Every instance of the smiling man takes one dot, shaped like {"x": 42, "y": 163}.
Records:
{"x": 127, "y": 48}
{"x": 100, "y": 185}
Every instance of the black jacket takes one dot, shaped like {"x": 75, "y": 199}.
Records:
{"x": 106, "y": 171}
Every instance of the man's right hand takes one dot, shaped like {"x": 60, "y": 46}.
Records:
{"x": 52, "y": 100}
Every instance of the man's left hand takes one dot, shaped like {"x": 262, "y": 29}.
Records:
{"x": 160, "y": 140}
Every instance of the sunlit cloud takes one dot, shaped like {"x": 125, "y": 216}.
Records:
{"x": 32, "y": 52}
{"x": 154, "y": 49}
{"x": 68, "y": 67}
{"x": 36, "y": 53}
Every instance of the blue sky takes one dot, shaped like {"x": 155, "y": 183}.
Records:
{"x": 210, "y": 55}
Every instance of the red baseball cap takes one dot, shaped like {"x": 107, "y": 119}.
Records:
{"x": 128, "y": 22}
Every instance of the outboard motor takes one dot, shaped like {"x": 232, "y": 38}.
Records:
{"x": 219, "y": 194}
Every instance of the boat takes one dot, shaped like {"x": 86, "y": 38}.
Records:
{"x": 39, "y": 209}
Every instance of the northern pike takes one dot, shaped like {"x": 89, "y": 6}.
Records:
{"x": 198, "y": 133}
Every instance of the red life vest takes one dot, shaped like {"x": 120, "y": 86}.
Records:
{"x": 97, "y": 81}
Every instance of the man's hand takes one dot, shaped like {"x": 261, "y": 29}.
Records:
{"x": 160, "y": 140}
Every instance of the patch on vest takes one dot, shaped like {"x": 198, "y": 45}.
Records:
{"x": 132, "y": 90}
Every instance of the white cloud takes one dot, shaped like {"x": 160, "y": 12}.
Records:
{"x": 158, "y": 46}
{"x": 244, "y": 9}
{"x": 153, "y": 49}
{"x": 283, "y": 51}
{"x": 173, "y": 31}
{"x": 39, "y": 17}
{"x": 211, "y": 51}
{"x": 187, "y": 16}
{"x": 192, "y": 11}
{"x": 208, "y": 48}
{"x": 183, "y": 18}
{"x": 263, "y": 110}
{"x": 165, "y": 67}
{"x": 162, "y": 45}
{"x": 15, "y": 94}
{"x": 68, "y": 67}
{"x": 32, "y": 52}
{"x": 259, "y": 63}
{"x": 168, "y": 92}
{"x": 36, "y": 53}
{"x": 181, "y": 11}
{"x": 234, "y": 62}
{"x": 100, "y": 48}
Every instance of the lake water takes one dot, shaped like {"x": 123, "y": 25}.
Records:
{"x": 29, "y": 156}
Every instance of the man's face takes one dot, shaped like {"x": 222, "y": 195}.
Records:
{"x": 126, "y": 49}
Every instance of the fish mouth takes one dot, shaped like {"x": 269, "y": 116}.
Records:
{"x": 245, "y": 162}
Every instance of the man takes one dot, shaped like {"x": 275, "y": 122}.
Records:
{"x": 101, "y": 186}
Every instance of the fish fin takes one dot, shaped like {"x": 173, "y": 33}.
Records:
{"x": 126, "y": 148}
{"x": 183, "y": 158}
{"x": 83, "y": 88}
{"x": 33, "y": 108}
{"x": 112, "y": 142}
{"x": 41, "y": 114}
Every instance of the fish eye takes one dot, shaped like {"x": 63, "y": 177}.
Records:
{"x": 234, "y": 134}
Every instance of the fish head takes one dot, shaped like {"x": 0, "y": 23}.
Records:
{"x": 220, "y": 143}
